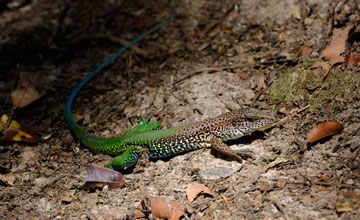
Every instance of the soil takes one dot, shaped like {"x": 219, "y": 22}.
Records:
{"x": 214, "y": 57}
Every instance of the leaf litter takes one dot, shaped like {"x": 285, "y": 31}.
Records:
{"x": 167, "y": 178}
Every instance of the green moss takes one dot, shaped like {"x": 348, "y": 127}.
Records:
{"x": 303, "y": 83}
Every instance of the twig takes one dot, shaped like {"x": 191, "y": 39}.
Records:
{"x": 221, "y": 68}
{"x": 325, "y": 184}
{"x": 88, "y": 214}
{"x": 8, "y": 122}
{"x": 212, "y": 25}
{"x": 290, "y": 115}
{"x": 111, "y": 38}
{"x": 59, "y": 23}
{"x": 231, "y": 44}
{"x": 257, "y": 97}
{"x": 278, "y": 206}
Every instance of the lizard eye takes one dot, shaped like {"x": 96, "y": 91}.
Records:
{"x": 234, "y": 123}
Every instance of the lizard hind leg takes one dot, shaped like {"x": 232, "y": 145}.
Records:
{"x": 127, "y": 159}
{"x": 143, "y": 126}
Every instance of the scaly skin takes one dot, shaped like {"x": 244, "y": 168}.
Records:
{"x": 168, "y": 142}
{"x": 147, "y": 137}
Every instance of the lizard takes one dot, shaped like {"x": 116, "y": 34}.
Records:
{"x": 149, "y": 138}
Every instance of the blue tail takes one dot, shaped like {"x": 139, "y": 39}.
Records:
{"x": 75, "y": 128}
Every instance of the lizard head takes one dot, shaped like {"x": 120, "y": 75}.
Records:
{"x": 245, "y": 122}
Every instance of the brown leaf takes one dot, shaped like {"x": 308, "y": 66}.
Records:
{"x": 242, "y": 75}
{"x": 323, "y": 177}
{"x": 322, "y": 130}
{"x": 177, "y": 212}
{"x": 160, "y": 207}
{"x": 348, "y": 201}
{"x": 16, "y": 132}
{"x": 306, "y": 51}
{"x": 139, "y": 213}
{"x": 265, "y": 186}
{"x": 25, "y": 92}
{"x": 281, "y": 183}
{"x": 336, "y": 47}
{"x": 352, "y": 59}
{"x": 193, "y": 191}
{"x": 7, "y": 178}
{"x": 98, "y": 176}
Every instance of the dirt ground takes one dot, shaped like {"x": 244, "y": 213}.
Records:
{"x": 216, "y": 56}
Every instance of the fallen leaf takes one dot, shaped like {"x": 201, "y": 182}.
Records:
{"x": 242, "y": 75}
{"x": 227, "y": 31}
{"x": 336, "y": 47}
{"x": 139, "y": 213}
{"x": 193, "y": 191}
{"x": 160, "y": 209}
{"x": 16, "y": 132}
{"x": 347, "y": 201}
{"x": 295, "y": 11}
{"x": 352, "y": 59}
{"x": 265, "y": 186}
{"x": 281, "y": 183}
{"x": 333, "y": 52}
{"x": 323, "y": 177}
{"x": 99, "y": 176}
{"x": 177, "y": 212}
{"x": 322, "y": 130}
{"x": 257, "y": 202}
{"x": 306, "y": 51}
{"x": 276, "y": 162}
{"x": 25, "y": 92}
{"x": 8, "y": 178}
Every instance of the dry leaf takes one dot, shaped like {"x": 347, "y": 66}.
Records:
{"x": 322, "y": 130}
{"x": 139, "y": 213}
{"x": 295, "y": 11}
{"x": 160, "y": 207}
{"x": 333, "y": 52}
{"x": 265, "y": 186}
{"x": 352, "y": 59}
{"x": 281, "y": 183}
{"x": 242, "y": 75}
{"x": 16, "y": 132}
{"x": 276, "y": 162}
{"x": 7, "y": 178}
{"x": 25, "y": 92}
{"x": 98, "y": 176}
{"x": 193, "y": 191}
{"x": 336, "y": 47}
{"x": 177, "y": 212}
{"x": 306, "y": 51}
{"x": 323, "y": 177}
{"x": 348, "y": 201}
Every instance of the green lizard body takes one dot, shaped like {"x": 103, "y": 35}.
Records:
{"x": 147, "y": 137}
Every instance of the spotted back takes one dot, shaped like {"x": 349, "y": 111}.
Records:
{"x": 228, "y": 126}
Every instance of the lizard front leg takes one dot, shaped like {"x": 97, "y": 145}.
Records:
{"x": 219, "y": 146}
